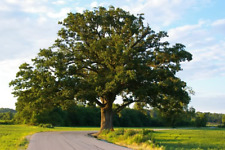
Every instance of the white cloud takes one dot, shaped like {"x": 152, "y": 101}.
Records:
{"x": 40, "y": 8}
{"x": 4, "y": 7}
{"x": 23, "y": 37}
{"x": 8, "y": 73}
{"x": 208, "y": 51}
{"x": 193, "y": 36}
{"x": 162, "y": 12}
{"x": 220, "y": 22}
{"x": 94, "y": 4}
{"x": 41, "y": 20}
{"x": 209, "y": 103}
{"x": 79, "y": 9}
{"x": 59, "y": 2}
{"x": 34, "y": 9}
{"x": 28, "y": 6}
{"x": 61, "y": 14}
{"x": 219, "y": 27}
{"x": 12, "y": 1}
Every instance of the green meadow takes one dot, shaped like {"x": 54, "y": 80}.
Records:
{"x": 172, "y": 139}
{"x": 196, "y": 139}
{"x": 13, "y": 137}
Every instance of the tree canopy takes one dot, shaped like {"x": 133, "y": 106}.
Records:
{"x": 99, "y": 55}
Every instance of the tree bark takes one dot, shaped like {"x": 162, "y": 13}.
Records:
{"x": 106, "y": 116}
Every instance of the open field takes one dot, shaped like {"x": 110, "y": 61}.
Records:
{"x": 187, "y": 139}
{"x": 177, "y": 139}
{"x": 13, "y": 137}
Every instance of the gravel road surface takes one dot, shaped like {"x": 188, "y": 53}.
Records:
{"x": 69, "y": 140}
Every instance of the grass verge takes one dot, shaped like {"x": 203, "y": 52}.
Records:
{"x": 132, "y": 138}
{"x": 13, "y": 137}
{"x": 177, "y": 139}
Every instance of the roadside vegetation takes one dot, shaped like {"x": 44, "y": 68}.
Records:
{"x": 132, "y": 138}
{"x": 176, "y": 139}
{"x": 13, "y": 137}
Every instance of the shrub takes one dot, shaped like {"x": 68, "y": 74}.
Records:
{"x": 137, "y": 139}
{"x": 6, "y": 122}
{"x": 46, "y": 125}
{"x": 130, "y": 137}
{"x": 129, "y": 133}
{"x": 201, "y": 120}
{"x": 119, "y": 132}
{"x": 146, "y": 132}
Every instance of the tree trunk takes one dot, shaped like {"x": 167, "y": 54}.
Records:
{"x": 107, "y": 116}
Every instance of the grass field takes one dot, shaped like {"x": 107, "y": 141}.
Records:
{"x": 13, "y": 137}
{"x": 176, "y": 139}
{"x": 186, "y": 139}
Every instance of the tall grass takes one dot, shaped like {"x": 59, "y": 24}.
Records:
{"x": 132, "y": 138}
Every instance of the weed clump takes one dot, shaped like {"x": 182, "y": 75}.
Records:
{"x": 129, "y": 133}
{"x": 137, "y": 138}
{"x": 46, "y": 125}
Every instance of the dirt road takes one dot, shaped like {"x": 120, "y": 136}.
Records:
{"x": 71, "y": 140}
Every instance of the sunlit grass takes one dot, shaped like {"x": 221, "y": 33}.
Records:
{"x": 132, "y": 138}
{"x": 186, "y": 139}
{"x": 13, "y": 137}
{"x": 176, "y": 139}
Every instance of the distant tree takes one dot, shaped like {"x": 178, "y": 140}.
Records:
{"x": 7, "y": 113}
{"x": 223, "y": 120}
{"x": 214, "y": 118}
{"x": 99, "y": 55}
{"x": 6, "y": 116}
{"x": 4, "y": 110}
{"x": 201, "y": 119}
{"x": 190, "y": 116}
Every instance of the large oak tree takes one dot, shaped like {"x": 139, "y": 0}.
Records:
{"x": 99, "y": 55}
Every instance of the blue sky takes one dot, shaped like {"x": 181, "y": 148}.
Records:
{"x": 28, "y": 25}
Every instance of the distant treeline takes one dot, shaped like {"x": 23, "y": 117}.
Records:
{"x": 3, "y": 110}
{"x": 7, "y": 113}
{"x": 90, "y": 116}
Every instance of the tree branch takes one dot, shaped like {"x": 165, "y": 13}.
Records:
{"x": 144, "y": 34}
{"x": 99, "y": 103}
{"x": 118, "y": 109}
